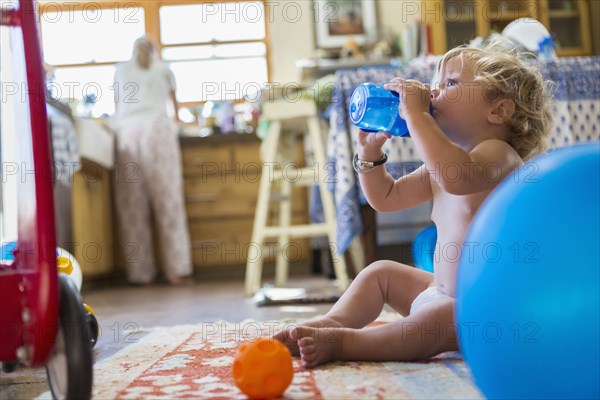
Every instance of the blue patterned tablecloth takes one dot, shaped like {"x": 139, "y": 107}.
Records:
{"x": 577, "y": 119}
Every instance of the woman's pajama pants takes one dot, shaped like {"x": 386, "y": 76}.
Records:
{"x": 149, "y": 181}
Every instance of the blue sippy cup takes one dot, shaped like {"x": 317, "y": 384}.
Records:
{"x": 375, "y": 109}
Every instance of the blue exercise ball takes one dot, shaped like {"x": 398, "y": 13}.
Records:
{"x": 423, "y": 248}
{"x": 528, "y": 282}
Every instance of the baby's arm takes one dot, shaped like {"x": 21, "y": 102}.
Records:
{"x": 379, "y": 187}
{"x": 456, "y": 170}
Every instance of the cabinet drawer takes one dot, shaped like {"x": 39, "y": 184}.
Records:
{"x": 228, "y": 242}
{"x": 232, "y": 195}
{"x": 206, "y": 159}
{"x": 222, "y": 196}
{"x": 220, "y": 242}
{"x": 248, "y": 156}
{"x": 212, "y": 159}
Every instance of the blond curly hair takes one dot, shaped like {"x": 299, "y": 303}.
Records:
{"x": 498, "y": 66}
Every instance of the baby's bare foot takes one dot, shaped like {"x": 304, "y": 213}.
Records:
{"x": 318, "y": 345}
{"x": 292, "y": 344}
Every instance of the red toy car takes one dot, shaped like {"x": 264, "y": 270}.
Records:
{"x": 42, "y": 319}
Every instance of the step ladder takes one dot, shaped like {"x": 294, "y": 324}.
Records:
{"x": 278, "y": 155}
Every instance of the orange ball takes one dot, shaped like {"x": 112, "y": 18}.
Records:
{"x": 262, "y": 369}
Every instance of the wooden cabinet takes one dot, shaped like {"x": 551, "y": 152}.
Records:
{"x": 221, "y": 179}
{"x": 93, "y": 244}
{"x": 454, "y": 22}
{"x": 569, "y": 20}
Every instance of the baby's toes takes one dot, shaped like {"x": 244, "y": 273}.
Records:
{"x": 309, "y": 360}
{"x": 306, "y": 344}
{"x": 308, "y": 351}
{"x": 282, "y": 336}
{"x": 309, "y": 356}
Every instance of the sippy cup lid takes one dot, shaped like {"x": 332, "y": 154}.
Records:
{"x": 358, "y": 104}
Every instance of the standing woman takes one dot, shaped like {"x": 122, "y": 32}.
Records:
{"x": 149, "y": 179}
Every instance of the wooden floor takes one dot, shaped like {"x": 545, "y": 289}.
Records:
{"x": 139, "y": 308}
{"x": 122, "y": 309}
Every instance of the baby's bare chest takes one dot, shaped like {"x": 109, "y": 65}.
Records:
{"x": 455, "y": 211}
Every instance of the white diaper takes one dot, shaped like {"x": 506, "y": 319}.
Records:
{"x": 428, "y": 295}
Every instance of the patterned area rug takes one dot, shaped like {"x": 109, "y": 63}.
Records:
{"x": 194, "y": 361}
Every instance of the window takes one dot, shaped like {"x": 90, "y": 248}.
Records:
{"x": 221, "y": 22}
{"x": 214, "y": 71}
{"x": 217, "y": 50}
{"x": 82, "y": 42}
{"x": 90, "y": 35}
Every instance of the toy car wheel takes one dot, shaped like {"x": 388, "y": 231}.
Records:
{"x": 69, "y": 366}
{"x": 93, "y": 329}
{"x": 9, "y": 366}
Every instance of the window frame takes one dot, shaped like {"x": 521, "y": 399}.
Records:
{"x": 152, "y": 26}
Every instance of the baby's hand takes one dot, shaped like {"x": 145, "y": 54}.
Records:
{"x": 415, "y": 96}
{"x": 370, "y": 144}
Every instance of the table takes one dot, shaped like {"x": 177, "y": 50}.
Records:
{"x": 577, "y": 119}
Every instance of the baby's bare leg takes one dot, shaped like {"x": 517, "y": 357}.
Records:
{"x": 383, "y": 282}
{"x": 428, "y": 332}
